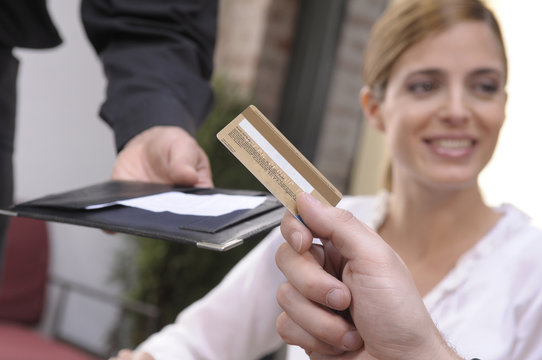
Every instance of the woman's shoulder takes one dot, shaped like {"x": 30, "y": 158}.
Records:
{"x": 516, "y": 227}
{"x": 352, "y": 202}
{"x": 516, "y": 244}
{"x": 367, "y": 208}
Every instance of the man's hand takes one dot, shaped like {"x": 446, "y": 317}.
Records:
{"x": 362, "y": 273}
{"x": 309, "y": 321}
{"x": 164, "y": 154}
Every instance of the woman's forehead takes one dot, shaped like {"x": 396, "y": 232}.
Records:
{"x": 461, "y": 47}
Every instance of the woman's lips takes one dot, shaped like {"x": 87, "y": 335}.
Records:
{"x": 451, "y": 147}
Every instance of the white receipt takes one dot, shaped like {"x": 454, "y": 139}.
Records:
{"x": 190, "y": 204}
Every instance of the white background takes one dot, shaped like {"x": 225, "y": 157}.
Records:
{"x": 515, "y": 173}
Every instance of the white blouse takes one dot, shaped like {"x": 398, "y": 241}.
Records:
{"x": 489, "y": 306}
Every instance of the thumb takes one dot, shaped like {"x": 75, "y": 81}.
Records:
{"x": 352, "y": 238}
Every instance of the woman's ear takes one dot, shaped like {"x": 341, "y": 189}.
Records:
{"x": 371, "y": 108}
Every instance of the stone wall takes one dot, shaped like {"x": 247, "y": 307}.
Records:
{"x": 341, "y": 128}
{"x": 253, "y": 48}
{"x": 253, "y": 51}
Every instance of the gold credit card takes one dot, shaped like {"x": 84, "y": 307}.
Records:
{"x": 274, "y": 161}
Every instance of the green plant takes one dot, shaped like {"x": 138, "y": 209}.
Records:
{"x": 171, "y": 275}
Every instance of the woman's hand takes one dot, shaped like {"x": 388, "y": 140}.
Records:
{"x": 126, "y": 354}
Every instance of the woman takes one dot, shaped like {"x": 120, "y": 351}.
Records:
{"x": 435, "y": 75}
{"x": 435, "y": 72}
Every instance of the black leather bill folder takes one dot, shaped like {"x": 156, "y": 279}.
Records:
{"x": 98, "y": 206}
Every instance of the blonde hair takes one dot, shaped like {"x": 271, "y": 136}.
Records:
{"x": 407, "y": 22}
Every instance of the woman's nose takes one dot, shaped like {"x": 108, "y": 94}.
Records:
{"x": 455, "y": 108}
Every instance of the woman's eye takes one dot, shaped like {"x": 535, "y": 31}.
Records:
{"x": 423, "y": 87}
{"x": 487, "y": 88}
{"x": 485, "y": 85}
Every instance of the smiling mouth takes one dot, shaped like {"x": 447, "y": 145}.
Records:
{"x": 452, "y": 144}
{"x": 452, "y": 148}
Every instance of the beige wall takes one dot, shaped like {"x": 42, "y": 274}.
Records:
{"x": 339, "y": 156}
{"x": 253, "y": 48}
{"x": 369, "y": 167}
{"x": 368, "y": 153}
{"x": 241, "y": 28}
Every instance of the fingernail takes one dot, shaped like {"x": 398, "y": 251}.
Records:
{"x": 297, "y": 240}
{"x": 335, "y": 299}
{"x": 352, "y": 340}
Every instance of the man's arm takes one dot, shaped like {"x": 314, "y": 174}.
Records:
{"x": 157, "y": 56}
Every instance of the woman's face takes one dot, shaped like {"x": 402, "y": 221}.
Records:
{"x": 444, "y": 106}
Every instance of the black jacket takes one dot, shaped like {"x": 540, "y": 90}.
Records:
{"x": 157, "y": 56}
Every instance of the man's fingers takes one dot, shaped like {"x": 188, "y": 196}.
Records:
{"x": 164, "y": 154}
{"x": 294, "y": 334}
{"x": 323, "y": 324}
{"x": 339, "y": 226}
{"x": 295, "y": 233}
{"x": 188, "y": 163}
{"x": 310, "y": 279}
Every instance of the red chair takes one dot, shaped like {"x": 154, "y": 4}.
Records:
{"x": 22, "y": 296}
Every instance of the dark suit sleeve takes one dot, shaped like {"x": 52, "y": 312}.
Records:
{"x": 158, "y": 58}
